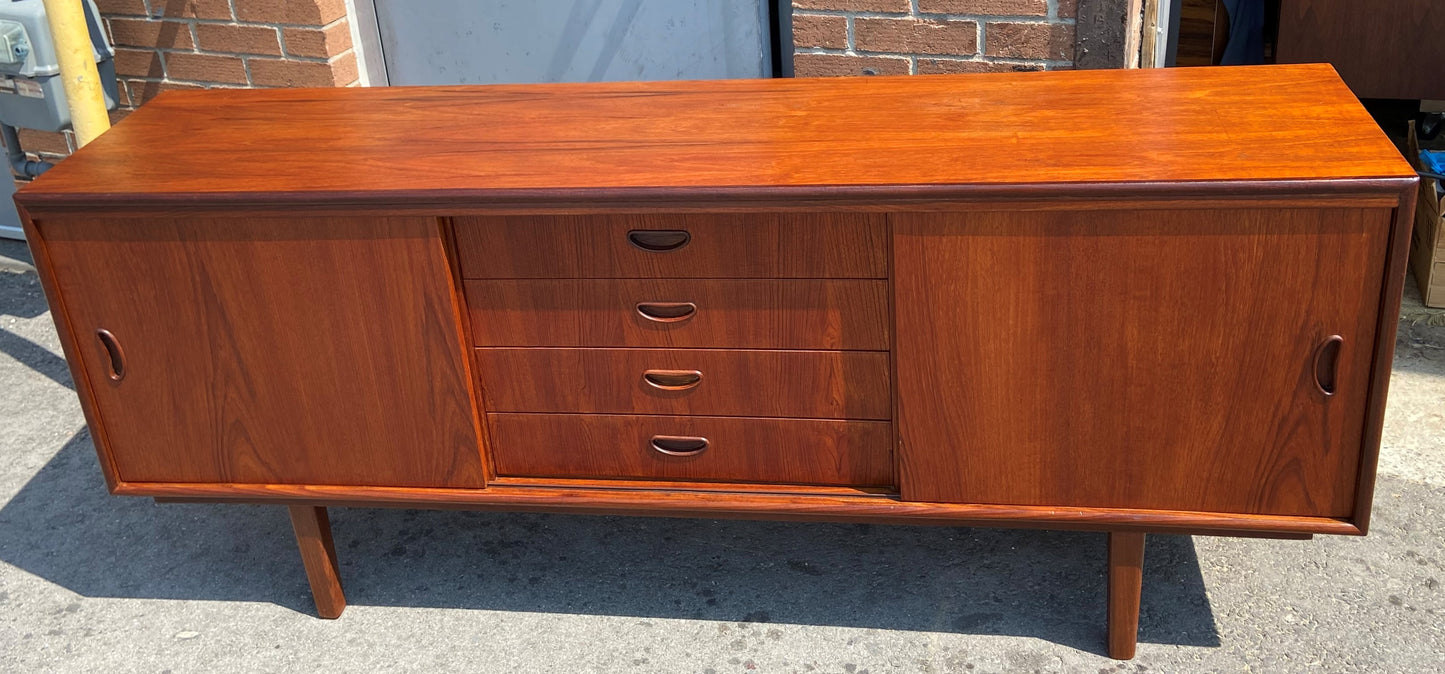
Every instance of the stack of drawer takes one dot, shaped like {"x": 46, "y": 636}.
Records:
{"x": 698, "y": 347}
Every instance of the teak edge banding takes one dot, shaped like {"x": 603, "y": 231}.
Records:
{"x": 1042, "y": 195}
{"x": 741, "y": 505}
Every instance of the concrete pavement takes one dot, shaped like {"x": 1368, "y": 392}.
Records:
{"x": 90, "y": 582}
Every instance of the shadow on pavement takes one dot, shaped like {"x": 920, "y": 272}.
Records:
{"x": 63, "y": 527}
{"x": 36, "y": 357}
{"x": 15, "y": 256}
{"x": 21, "y": 297}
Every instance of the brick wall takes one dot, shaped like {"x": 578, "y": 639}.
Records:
{"x": 201, "y": 44}
{"x": 207, "y": 44}
{"x": 901, "y": 37}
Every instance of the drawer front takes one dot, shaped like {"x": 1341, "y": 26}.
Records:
{"x": 742, "y": 245}
{"x": 729, "y": 314}
{"x": 782, "y": 451}
{"x": 821, "y": 384}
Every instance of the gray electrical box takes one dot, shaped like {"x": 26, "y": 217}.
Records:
{"x": 31, "y": 94}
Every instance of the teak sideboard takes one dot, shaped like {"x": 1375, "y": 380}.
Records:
{"x": 1125, "y": 301}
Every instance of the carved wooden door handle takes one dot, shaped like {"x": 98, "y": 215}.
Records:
{"x": 672, "y": 380}
{"x": 679, "y": 445}
{"x": 666, "y": 312}
{"x": 113, "y": 350}
{"x": 658, "y": 240}
{"x": 1327, "y": 364}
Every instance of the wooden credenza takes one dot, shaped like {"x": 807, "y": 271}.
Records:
{"x": 1145, "y": 301}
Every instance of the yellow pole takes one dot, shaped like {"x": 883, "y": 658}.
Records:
{"x": 77, "y": 69}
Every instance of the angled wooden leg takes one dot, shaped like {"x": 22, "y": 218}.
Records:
{"x": 318, "y": 553}
{"x": 1126, "y": 575}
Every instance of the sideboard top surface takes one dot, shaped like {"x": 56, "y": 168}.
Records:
{"x": 1046, "y": 129}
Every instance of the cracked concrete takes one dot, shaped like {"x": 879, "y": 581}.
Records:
{"x": 90, "y": 582}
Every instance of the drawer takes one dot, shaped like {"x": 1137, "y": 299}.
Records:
{"x": 742, "y": 245}
{"x": 728, "y": 314}
{"x": 726, "y": 449}
{"x": 822, "y": 384}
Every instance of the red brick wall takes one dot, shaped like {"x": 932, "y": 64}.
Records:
{"x": 901, "y": 37}
{"x": 208, "y": 44}
{"x": 204, "y": 44}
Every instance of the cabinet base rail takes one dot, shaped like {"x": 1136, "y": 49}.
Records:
{"x": 749, "y": 502}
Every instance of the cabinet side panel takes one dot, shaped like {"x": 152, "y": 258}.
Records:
{"x": 283, "y": 351}
{"x": 1136, "y": 359}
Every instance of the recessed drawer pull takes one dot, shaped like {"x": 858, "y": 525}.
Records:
{"x": 679, "y": 445}
{"x": 659, "y": 240}
{"x": 1327, "y": 364}
{"x": 117, "y": 356}
{"x": 666, "y": 312}
{"x": 672, "y": 380}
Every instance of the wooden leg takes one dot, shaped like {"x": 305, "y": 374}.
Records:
{"x": 318, "y": 553}
{"x": 1126, "y": 575}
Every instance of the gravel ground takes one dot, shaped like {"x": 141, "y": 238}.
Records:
{"x": 90, "y": 582}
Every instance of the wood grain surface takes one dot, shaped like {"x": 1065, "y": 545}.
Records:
{"x": 318, "y": 554}
{"x": 749, "y": 383}
{"x": 741, "y": 502}
{"x": 1126, "y": 580}
{"x": 1079, "y": 363}
{"x": 730, "y": 314}
{"x": 740, "y": 245}
{"x": 780, "y": 451}
{"x": 1136, "y": 359}
{"x": 1387, "y": 322}
{"x": 1381, "y": 49}
{"x": 397, "y": 144}
{"x": 302, "y": 351}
